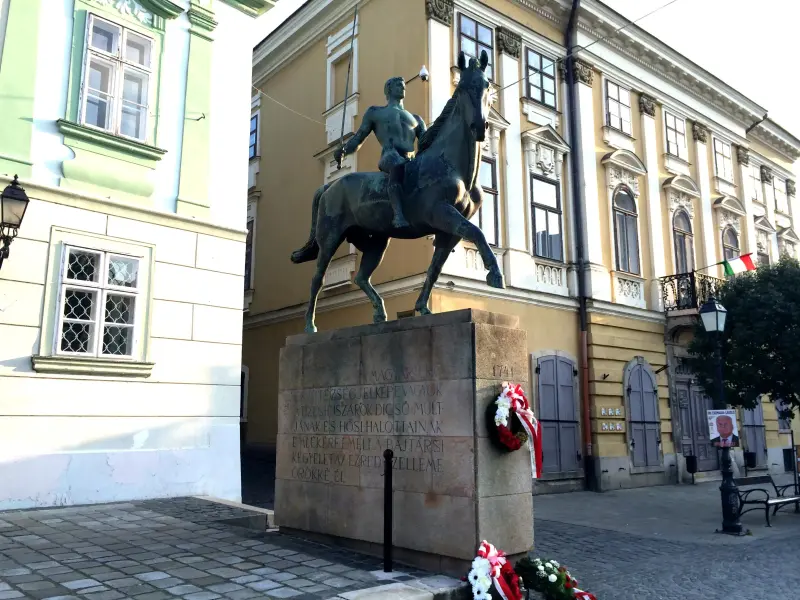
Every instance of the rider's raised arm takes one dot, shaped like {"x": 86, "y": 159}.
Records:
{"x": 420, "y": 130}
{"x": 367, "y": 125}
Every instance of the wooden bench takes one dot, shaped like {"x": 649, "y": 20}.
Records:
{"x": 759, "y": 497}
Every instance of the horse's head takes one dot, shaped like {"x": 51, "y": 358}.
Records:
{"x": 474, "y": 86}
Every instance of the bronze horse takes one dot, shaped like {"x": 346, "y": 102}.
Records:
{"x": 440, "y": 195}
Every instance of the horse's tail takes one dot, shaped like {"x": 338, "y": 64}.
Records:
{"x": 311, "y": 249}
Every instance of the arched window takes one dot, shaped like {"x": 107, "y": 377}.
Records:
{"x": 684, "y": 242}
{"x": 626, "y": 232}
{"x": 730, "y": 243}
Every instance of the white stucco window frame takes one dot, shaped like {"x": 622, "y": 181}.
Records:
{"x": 723, "y": 186}
{"x": 788, "y": 238}
{"x": 623, "y": 169}
{"x": 677, "y": 165}
{"x": 764, "y": 226}
{"x": 681, "y": 193}
{"x": 485, "y": 19}
{"x": 729, "y": 213}
{"x": 48, "y": 359}
{"x": 612, "y": 136}
{"x": 339, "y": 45}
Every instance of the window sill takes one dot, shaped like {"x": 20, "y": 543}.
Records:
{"x": 617, "y": 139}
{"x": 68, "y": 365}
{"x": 109, "y": 141}
{"x": 724, "y": 186}
{"x": 677, "y": 165}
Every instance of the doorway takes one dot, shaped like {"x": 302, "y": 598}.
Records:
{"x": 693, "y": 404}
{"x": 755, "y": 434}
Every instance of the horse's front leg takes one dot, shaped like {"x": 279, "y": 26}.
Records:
{"x": 444, "y": 246}
{"x": 447, "y": 219}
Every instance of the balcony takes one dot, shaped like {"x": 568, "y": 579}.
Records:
{"x": 687, "y": 291}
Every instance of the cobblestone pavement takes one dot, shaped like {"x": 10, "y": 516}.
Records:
{"x": 659, "y": 544}
{"x": 166, "y": 549}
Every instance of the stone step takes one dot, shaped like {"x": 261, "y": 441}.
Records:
{"x": 259, "y": 519}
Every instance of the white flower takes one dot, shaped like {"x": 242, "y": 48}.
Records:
{"x": 538, "y": 561}
{"x": 473, "y": 577}
{"x": 481, "y": 565}
{"x": 552, "y": 578}
{"x": 548, "y": 565}
{"x": 541, "y": 573}
{"x": 541, "y": 568}
{"x": 480, "y": 594}
{"x": 484, "y": 582}
{"x": 555, "y": 564}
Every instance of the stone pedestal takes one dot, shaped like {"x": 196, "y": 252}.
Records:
{"x": 420, "y": 387}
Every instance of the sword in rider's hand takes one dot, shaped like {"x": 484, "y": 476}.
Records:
{"x": 340, "y": 155}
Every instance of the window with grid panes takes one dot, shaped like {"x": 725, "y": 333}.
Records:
{"x": 755, "y": 183}
{"x": 722, "y": 160}
{"x": 475, "y": 37}
{"x": 98, "y": 304}
{"x": 779, "y": 190}
{"x": 684, "y": 242}
{"x": 618, "y": 107}
{"x": 116, "y": 85}
{"x": 546, "y": 200}
{"x": 676, "y": 135}
{"x": 626, "y": 232}
{"x": 730, "y": 243}
{"x": 486, "y": 217}
{"x": 541, "y": 78}
{"x": 253, "y": 136}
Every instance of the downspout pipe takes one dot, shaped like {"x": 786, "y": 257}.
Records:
{"x": 578, "y": 202}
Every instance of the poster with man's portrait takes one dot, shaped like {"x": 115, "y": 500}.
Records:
{"x": 722, "y": 428}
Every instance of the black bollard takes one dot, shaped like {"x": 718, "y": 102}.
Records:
{"x": 387, "y": 510}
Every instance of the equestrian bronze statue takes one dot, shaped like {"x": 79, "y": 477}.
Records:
{"x": 439, "y": 192}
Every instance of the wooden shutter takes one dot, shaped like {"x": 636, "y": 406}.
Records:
{"x": 568, "y": 419}
{"x": 548, "y": 413}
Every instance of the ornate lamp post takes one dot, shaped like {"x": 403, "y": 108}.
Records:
{"x": 13, "y": 203}
{"x": 713, "y": 315}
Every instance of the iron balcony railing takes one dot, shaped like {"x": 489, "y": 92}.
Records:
{"x": 687, "y": 291}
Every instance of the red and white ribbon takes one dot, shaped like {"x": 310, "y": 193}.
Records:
{"x": 581, "y": 595}
{"x": 496, "y": 559}
{"x": 522, "y": 408}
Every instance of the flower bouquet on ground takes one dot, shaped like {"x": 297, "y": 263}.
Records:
{"x": 551, "y": 580}
{"x": 492, "y": 576}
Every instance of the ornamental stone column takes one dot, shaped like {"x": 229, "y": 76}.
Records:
{"x": 700, "y": 137}
{"x": 647, "y": 106}
{"x": 768, "y": 183}
{"x": 440, "y": 19}
{"x": 516, "y": 215}
{"x": 748, "y": 244}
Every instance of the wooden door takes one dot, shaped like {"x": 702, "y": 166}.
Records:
{"x": 645, "y": 427}
{"x": 755, "y": 434}
{"x": 558, "y": 414}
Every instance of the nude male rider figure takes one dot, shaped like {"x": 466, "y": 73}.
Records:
{"x": 396, "y": 130}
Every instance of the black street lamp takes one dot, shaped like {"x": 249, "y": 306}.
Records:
{"x": 713, "y": 315}
{"x": 13, "y": 203}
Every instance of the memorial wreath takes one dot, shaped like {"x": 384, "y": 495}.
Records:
{"x": 492, "y": 575}
{"x": 511, "y": 433}
{"x": 551, "y": 580}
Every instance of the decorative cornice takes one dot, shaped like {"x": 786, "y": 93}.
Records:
{"x": 743, "y": 155}
{"x": 252, "y": 8}
{"x": 509, "y": 42}
{"x": 699, "y": 133}
{"x": 647, "y": 105}
{"x": 107, "y": 140}
{"x": 766, "y": 174}
{"x": 440, "y": 10}
{"x": 130, "y": 8}
{"x": 583, "y": 72}
{"x": 163, "y": 8}
{"x": 790, "y": 188}
{"x": 201, "y": 18}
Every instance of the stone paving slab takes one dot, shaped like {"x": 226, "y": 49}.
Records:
{"x": 172, "y": 548}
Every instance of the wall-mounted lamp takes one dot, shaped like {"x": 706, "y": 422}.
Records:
{"x": 423, "y": 74}
{"x": 13, "y": 203}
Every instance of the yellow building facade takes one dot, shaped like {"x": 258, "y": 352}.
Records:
{"x": 674, "y": 175}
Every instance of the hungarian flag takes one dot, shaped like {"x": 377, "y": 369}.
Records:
{"x": 738, "y": 265}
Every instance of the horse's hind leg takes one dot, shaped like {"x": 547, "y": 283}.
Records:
{"x": 371, "y": 258}
{"x": 444, "y": 246}
{"x": 327, "y": 248}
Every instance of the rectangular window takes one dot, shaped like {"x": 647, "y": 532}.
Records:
{"x": 781, "y": 201}
{"x": 541, "y": 78}
{"x": 98, "y": 308}
{"x": 486, "y": 217}
{"x": 248, "y": 256}
{"x": 676, "y": 135}
{"x": 722, "y": 160}
{"x": 755, "y": 184}
{"x": 546, "y": 201}
{"x": 116, "y": 85}
{"x": 618, "y": 107}
{"x": 253, "y": 136}
{"x": 474, "y": 37}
